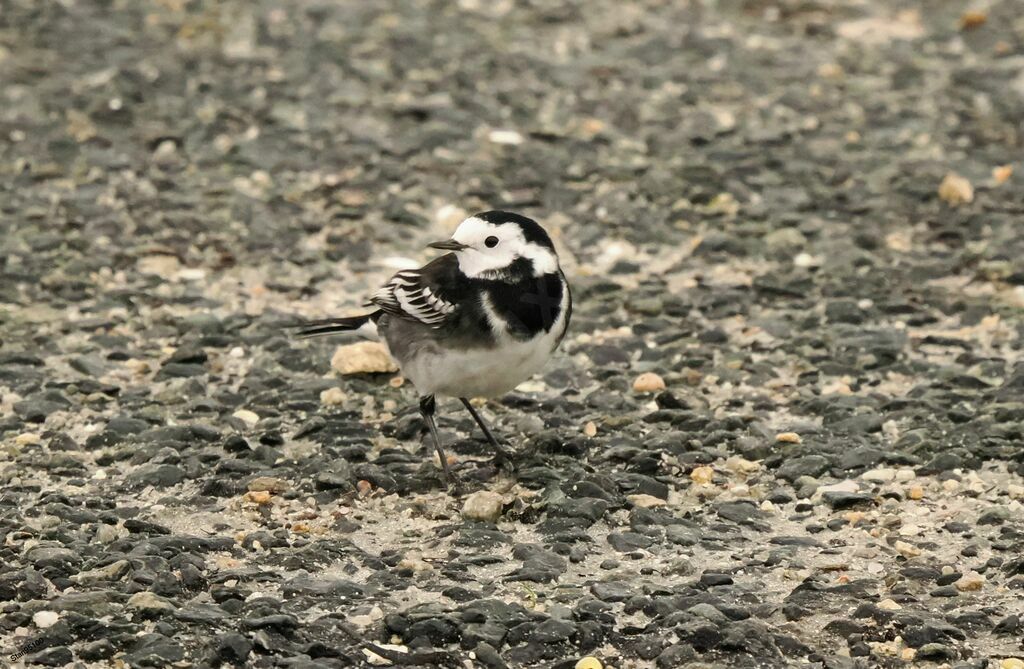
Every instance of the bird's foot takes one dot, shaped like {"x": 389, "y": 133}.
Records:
{"x": 506, "y": 464}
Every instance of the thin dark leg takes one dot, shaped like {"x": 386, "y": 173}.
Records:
{"x": 502, "y": 451}
{"x": 427, "y": 408}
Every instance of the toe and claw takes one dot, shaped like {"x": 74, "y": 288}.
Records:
{"x": 428, "y": 407}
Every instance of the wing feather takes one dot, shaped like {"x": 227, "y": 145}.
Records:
{"x": 418, "y": 295}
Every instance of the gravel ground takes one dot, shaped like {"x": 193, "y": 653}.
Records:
{"x": 801, "y": 215}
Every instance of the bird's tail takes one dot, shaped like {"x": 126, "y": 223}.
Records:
{"x": 364, "y": 325}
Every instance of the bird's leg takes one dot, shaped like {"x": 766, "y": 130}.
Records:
{"x": 503, "y": 453}
{"x": 427, "y": 408}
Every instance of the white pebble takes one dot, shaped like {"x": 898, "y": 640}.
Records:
{"x": 250, "y": 418}
{"x": 483, "y": 505}
{"x": 44, "y": 619}
{"x": 507, "y": 137}
{"x": 880, "y": 475}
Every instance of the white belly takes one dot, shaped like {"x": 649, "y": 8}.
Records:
{"x": 479, "y": 372}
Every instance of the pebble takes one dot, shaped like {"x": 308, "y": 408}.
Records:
{"x": 45, "y": 619}
{"x": 740, "y": 465}
{"x": 702, "y": 475}
{"x": 149, "y": 603}
{"x": 27, "y": 438}
{"x": 258, "y": 497}
{"x": 645, "y": 501}
{"x": 589, "y": 662}
{"x": 268, "y": 484}
{"x": 375, "y": 659}
{"x": 970, "y": 582}
{"x": 881, "y": 475}
{"x": 788, "y": 438}
{"x": 1012, "y": 663}
{"x": 364, "y": 357}
{"x": 484, "y": 505}
{"x": 332, "y": 397}
{"x": 956, "y": 190}
{"x": 114, "y": 571}
{"x": 506, "y": 137}
{"x": 648, "y": 382}
{"x": 250, "y": 418}
{"x": 907, "y": 550}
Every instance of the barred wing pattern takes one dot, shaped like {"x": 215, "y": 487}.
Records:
{"x": 408, "y": 294}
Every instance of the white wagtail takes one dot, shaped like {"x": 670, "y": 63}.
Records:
{"x": 476, "y": 322}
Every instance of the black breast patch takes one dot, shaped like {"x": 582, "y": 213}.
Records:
{"x": 530, "y": 305}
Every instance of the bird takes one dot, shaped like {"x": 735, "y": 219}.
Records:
{"x": 474, "y": 322}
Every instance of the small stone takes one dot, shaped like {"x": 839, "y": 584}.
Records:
{"x": 645, "y": 501}
{"x": 114, "y": 571}
{"x": 788, "y": 438}
{"x": 365, "y": 357}
{"x": 740, "y": 465}
{"x": 854, "y": 517}
{"x": 27, "y": 438}
{"x": 1002, "y": 174}
{"x": 907, "y": 550}
{"x": 164, "y": 266}
{"x": 483, "y": 505}
{"x": 889, "y": 605}
{"x": 590, "y": 429}
{"x": 936, "y": 652}
{"x": 648, "y": 382}
{"x": 332, "y": 397}
{"x": 904, "y": 475}
{"x": 375, "y": 659}
{"x": 44, "y": 619}
{"x": 840, "y": 500}
{"x": 880, "y": 475}
{"x": 268, "y": 484}
{"x": 916, "y": 492}
{"x": 106, "y": 534}
{"x": 415, "y": 564}
{"x": 506, "y": 137}
{"x": 148, "y": 602}
{"x": 847, "y": 486}
{"x": 702, "y": 475}
{"x": 956, "y": 190}
{"x": 250, "y": 418}
{"x": 972, "y": 19}
{"x": 258, "y": 496}
{"x": 970, "y": 582}
{"x": 589, "y": 662}
{"x": 1012, "y": 663}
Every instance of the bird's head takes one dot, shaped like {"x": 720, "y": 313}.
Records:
{"x": 490, "y": 243}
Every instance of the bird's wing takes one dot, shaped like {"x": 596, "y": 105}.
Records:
{"x": 428, "y": 294}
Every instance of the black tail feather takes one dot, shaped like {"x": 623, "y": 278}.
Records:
{"x": 333, "y": 325}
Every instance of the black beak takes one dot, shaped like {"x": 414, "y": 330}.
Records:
{"x": 448, "y": 245}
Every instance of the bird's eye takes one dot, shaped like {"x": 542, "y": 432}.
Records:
{"x": 491, "y": 242}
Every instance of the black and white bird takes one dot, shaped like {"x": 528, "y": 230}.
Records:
{"x": 475, "y": 322}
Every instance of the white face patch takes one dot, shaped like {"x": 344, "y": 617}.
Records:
{"x": 479, "y": 258}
